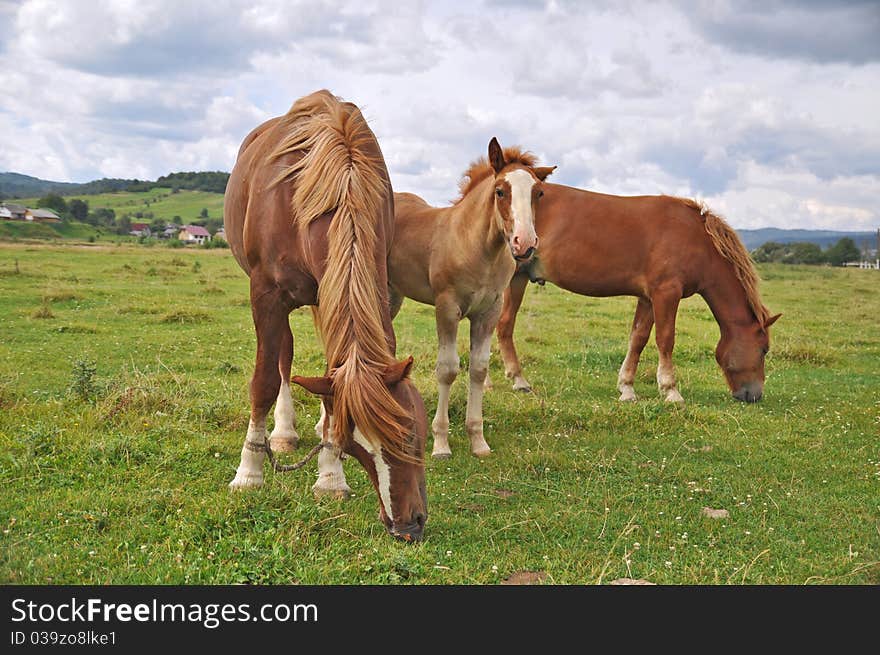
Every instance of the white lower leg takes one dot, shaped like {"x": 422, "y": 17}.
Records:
{"x": 319, "y": 426}
{"x": 519, "y": 381}
{"x": 440, "y": 424}
{"x": 250, "y": 469}
{"x": 474, "y": 422}
{"x": 447, "y": 370}
{"x": 284, "y": 437}
{"x": 625, "y": 379}
{"x": 331, "y": 476}
{"x": 666, "y": 382}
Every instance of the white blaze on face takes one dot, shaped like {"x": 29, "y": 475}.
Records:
{"x": 383, "y": 473}
{"x": 521, "y": 183}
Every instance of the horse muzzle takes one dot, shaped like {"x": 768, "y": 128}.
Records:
{"x": 750, "y": 392}
{"x": 526, "y": 256}
{"x": 408, "y": 532}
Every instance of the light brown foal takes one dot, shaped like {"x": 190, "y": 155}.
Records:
{"x": 460, "y": 259}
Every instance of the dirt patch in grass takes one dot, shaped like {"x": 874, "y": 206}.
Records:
{"x": 504, "y": 493}
{"x": 43, "y": 311}
{"x": 525, "y": 577}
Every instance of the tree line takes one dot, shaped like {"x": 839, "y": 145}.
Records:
{"x": 845, "y": 250}
{"x": 211, "y": 181}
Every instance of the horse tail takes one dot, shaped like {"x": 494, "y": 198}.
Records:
{"x": 340, "y": 173}
{"x": 728, "y": 244}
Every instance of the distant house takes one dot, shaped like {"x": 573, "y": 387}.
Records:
{"x": 220, "y": 234}
{"x": 41, "y": 216}
{"x": 140, "y": 230}
{"x": 194, "y": 234}
{"x": 12, "y": 212}
{"x": 169, "y": 232}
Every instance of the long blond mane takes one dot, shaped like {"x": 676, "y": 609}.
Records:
{"x": 340, "y": 172}
{"x": 728, "y": 244}
{"x": 480, "y": 169}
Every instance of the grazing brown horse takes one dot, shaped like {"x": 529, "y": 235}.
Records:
{"x": 660, "y": 249}
{"x": 460, "y": 259}
{"x": 309, "y": 217}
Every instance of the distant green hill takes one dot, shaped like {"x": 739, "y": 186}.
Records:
{"x": 157, "y": 202}
{"x": 823, "y": 238}
{"x": 16, "y": 185}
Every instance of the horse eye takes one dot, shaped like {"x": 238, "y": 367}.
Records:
{"x": 499, "y": 193}
{"x": 540, "y": 194}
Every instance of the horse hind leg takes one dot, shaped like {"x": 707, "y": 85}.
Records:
{"x": 512, "y": 299}
{"x": 643, "y": 321}
{"x": 665, "y": 309}
{"x": 331, "y": 476}
{"x": 284, "y": 437}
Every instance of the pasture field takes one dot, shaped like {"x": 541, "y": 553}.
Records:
{"x": 119, "y": 474}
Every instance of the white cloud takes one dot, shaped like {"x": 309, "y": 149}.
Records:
{"x": 625, "y": 98}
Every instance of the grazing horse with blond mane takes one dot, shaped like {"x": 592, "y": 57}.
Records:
{"x": 460, "y": 259}
{"x": 309, "y": 217}
{"x": 660, "y": 249}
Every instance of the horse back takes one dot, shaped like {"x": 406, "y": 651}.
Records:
{"x": 604, "y": 245}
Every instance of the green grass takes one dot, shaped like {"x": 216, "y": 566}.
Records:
{"x": 120, "y": 476}
{"x": 159, "y": 200}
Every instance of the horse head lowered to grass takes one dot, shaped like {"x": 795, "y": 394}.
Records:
{"x": 309, "y": 217}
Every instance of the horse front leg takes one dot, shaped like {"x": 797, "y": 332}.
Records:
{"x": 284, "y": 437}
{"x": 481, "y": 341}
{"x": 331, "y": 476}
{"x": 270, "y": 318}
{"x": 448, "y": 315}
{"x": 642, "y": 323}
{"x": 665, "y": 304}
{"x": 512, "y": 299}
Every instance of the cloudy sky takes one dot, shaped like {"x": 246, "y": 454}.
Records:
{"x": 766, "y": 109}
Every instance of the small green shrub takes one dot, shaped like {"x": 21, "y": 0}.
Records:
{"x": 83, "y": 384}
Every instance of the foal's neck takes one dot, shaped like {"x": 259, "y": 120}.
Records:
{"x": 479, "y": 223}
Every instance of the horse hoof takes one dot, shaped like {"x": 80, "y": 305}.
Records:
{"x": 522, "y": 385}
{"x": 246, "y": 481}
{"x": 284, "y": 444}
{"x": 628, "y": 397}
{"x": 482, "y": 452}
{"x": 674, "y": 397}
{"x": 443, "y": 454}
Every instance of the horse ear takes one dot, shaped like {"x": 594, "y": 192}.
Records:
{"x": 542, "y": 172}
{"x": 397, "y": 372}
{"x": 770, "y": 321}
{"x": 322, "y": 386}
{"x": 496, "y": 155}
